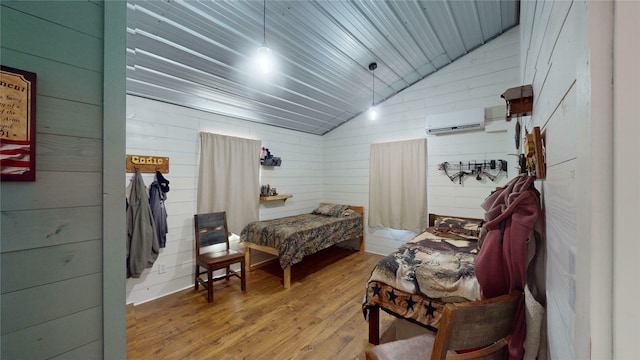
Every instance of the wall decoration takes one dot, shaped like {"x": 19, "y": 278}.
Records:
{"x": 147, "y": 164}
{"x": 267, "y": 159}
{"x": 17, "y": 124}
{"x": 490, "y": 169}
{"x": 519, "y": 101}
{"x": 535, "y": 154}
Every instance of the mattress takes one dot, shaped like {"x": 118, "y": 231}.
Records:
{"x": 300, "y": 235}
{"x": 415, "y": 281}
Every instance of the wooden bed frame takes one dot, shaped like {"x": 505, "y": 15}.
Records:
{"x": 374, "y": 312}
{"x": 274, "y": 251}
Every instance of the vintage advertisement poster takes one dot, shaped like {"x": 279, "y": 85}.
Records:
{"x": 17, "y": 124}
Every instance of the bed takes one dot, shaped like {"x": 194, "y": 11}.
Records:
{"x": 418, "y": 279}
{"x": 293, "y": 237}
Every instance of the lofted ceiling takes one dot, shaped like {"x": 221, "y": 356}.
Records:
{"x": 200, "y": 54}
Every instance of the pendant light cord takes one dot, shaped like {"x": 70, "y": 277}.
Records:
{"x": 373, "y": 90}
{"x": 264, "y": 23}
{"x": 373, "y": 66}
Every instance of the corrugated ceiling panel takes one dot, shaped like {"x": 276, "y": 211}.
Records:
{"x": 465, "y": 16}
{"x": 199, "y": 54}
{"x": 490, "y": 17}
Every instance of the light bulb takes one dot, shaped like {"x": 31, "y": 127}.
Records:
{"x": 264, "y": 59}
{"x": 373, "y": 113}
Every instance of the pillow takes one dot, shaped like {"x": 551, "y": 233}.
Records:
{"x": 350, "y": 212}
{"x": 469, "y": 229}
{"x": 330, "y": 210}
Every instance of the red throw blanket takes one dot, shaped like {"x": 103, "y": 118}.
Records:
{"x": 501, "y": 265}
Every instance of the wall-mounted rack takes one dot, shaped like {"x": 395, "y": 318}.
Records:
{"x": 491, "y": 169}
{"x": 147, "y": 164}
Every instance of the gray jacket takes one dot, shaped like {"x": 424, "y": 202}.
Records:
{"x": 142, "y": 240}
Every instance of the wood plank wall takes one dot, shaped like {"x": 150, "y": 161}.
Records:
{"x": 567, "y": 50}
{"x": 334, "y": 167}
{"x": 51, "y": 232}
{"x": 161, "y": 129}
{"x": 551, "y": 54}
{"x": 476, "y": 80}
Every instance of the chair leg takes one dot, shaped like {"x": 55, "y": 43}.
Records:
{"x": 210, "y": 285}
{"x": 196, "y": 285}
{"x": 243, "y": 277}
{"x": 247, "y": 259}
{"x": 374, "y": 325}
{"x": 228, "y": 272}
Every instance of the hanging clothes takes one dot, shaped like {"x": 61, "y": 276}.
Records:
{"x": 511, "y": 224}
{"x": 164, "y": 183}
{"x": 157, "y": 196}
{"x": 142, "y": 240}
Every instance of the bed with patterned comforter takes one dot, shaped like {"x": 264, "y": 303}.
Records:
{"x": 293, "y": 237}
{"x": 418, "y": 279}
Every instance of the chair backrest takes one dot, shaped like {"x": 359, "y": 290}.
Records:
{"x": 481, "y": 328}
{"x": 211, "y": 229}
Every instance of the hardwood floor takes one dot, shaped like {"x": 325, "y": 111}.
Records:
{"x": 319, "y": 317}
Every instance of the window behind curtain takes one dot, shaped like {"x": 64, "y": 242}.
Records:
{"x": 229, "y": 178}
{"x": 398, "y": 185}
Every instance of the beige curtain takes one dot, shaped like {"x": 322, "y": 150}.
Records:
{"x": 398, "y": 185}
{"x": 229, "y": 178}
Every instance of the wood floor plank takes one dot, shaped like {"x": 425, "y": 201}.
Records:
{"x": 319, "y": 317}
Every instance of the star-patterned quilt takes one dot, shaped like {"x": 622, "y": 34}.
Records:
{"x": 415, "y": 281}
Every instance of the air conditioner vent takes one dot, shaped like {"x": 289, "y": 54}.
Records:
{"x": 464, "y": 120}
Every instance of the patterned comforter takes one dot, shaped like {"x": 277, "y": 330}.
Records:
{"x": 300, "y": 235}
{"x": 417, "y": 280}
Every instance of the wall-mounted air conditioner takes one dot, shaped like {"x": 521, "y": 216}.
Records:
{"x": 463, "y": 120}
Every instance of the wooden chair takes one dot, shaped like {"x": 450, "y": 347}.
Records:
{"x": 470, "y": 330}
{"x": 213, "y": 252}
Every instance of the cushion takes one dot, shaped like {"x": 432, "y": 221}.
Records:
{"x": 469, "y": 229}
{"x": 330, "y": 210}
{"x": 350, "y": 212}
{"x": 415, "y": 348}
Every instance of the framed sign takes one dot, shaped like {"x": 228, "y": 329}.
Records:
{"x": 17, "y": 124}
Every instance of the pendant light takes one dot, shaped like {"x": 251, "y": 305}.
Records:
{"x": 265, "y": 61}
{"x": 373, "y": 112}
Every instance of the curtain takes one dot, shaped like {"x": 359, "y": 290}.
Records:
{"x": 398, "y": 185}
{"x": 229, "y": 178}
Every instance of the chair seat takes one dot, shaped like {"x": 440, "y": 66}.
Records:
{"x": 220, "y": 257}
{"x": 415, "y": 348}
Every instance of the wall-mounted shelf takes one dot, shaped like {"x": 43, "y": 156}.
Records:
{"x": 266, "y": 159}
{"x": 282, "y": 197}
{"x": 519, "y": 101}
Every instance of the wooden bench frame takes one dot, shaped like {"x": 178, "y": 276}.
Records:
{"x": 274, "y": 251}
